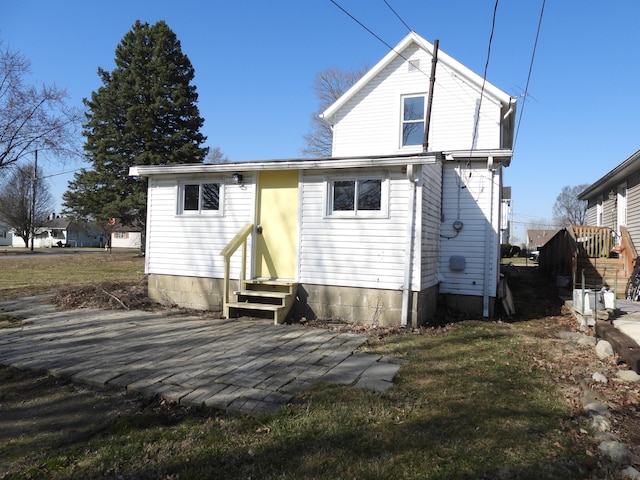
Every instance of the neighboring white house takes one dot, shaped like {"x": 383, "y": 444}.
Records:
{"x": 64, "y": 232}
{"x": 6, "y": 236}
{"x": 377, "y": 233}
{"x": 126, "y": 238}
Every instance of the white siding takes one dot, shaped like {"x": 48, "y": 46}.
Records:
{"x": 431, "y": 210}
{"x": 189, "y": 245}
{"x": 357, "y": 252}
{"x": 592, "y": 212}
{"x": 467, "y": 197}
{"x": 633, "y": 208}
{"x": 378, "y": 106}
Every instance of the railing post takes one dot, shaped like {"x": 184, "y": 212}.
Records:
{"x": 240, "y": 238}
{"x": 243, "y": 268}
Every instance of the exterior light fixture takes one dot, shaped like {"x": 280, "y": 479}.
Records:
{"x": 237, "y": 178}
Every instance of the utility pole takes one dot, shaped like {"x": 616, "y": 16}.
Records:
{"x": 34, "y": 181}
{"x": 432, "y": 81}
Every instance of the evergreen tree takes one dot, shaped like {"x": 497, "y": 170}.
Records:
{"x": 145, "y": 113}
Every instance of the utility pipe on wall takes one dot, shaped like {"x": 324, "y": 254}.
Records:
{"x": 414, "y": 175}
{"x": 488, "y": 242}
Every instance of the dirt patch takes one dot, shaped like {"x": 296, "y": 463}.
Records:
{"x": 106, "y": 295}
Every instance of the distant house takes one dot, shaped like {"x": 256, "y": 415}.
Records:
{"x": 536, "y": 239}
{"x": 505, "y": 220}
{"x": 377, "y": 233}
{"x": 126, "y": 237}
{"x": 6, "y": 236}
{"x": 64, "y": 232}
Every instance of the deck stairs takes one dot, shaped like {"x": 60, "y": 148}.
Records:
{"x": 599, "y": 272}
{"x": 263, "y": 298}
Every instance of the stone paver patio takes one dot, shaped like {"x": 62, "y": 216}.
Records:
{"x": 245, "y": 365}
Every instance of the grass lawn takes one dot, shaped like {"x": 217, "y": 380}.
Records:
{"x": 477, "y": 400}
{"x": 25, "y": 273}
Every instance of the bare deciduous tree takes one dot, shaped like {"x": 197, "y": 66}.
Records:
{"x": 31, "y": 117}
{"x": 17, "y": 203}
{"x": 568, "y": 210}
{"x": 329, "y": 85}
{"x": 216, "y": 155}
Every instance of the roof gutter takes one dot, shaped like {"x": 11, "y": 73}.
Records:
{"x": 327, "y": 163}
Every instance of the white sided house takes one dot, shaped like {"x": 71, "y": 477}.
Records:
{"x": 6, "y": 236}
{"x": 377, "y": 233}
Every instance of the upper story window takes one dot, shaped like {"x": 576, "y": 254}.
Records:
{"x": 413, "y": 120}
{"x": 357, "y": 197}
{"x": 196, "y": 198}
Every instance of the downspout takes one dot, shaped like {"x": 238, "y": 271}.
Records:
{"x": 488, "y": 237}
{"x": 414, "y": 176}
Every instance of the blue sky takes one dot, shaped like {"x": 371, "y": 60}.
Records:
{"x": 256, "y": 61}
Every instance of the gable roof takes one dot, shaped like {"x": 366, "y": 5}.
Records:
{"x": 446, "y": 60}
{"x": 540, "y": 237}
{"x": 612, "y": 179}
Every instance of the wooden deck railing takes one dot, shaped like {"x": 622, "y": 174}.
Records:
{"x": 595, "y": 242}
{"x": 227, "y": 252}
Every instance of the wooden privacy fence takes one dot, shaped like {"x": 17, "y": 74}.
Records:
{"x": 591, "y": 252}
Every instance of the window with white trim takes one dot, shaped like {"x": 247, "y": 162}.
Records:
{"x": 363, "y": 197}
{"x": 413, "y": 113}
{"x": 200, "y": 198}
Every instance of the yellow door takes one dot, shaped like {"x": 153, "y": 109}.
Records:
{"x": 277, "y": 239}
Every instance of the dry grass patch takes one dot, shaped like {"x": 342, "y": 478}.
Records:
{"x": 45, "y": 272}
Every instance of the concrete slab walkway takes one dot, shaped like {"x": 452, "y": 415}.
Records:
{"x": 245, "y": 365}
{"x": 622, "y": 330}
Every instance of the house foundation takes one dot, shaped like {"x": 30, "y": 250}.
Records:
{"x": 355, "y": 305}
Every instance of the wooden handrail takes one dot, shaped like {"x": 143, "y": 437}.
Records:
{"x": 238, "y": 239}
{"x": 628, "y": 251}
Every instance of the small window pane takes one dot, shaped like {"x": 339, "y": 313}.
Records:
{"x": 369, "y": 194}
{"x": 210, "y": 196}
{"x": 191, "y": 194}
{"x": 412, "y": 133}
{"x": 344, "y": 192}
{"x": 414, "y": 108}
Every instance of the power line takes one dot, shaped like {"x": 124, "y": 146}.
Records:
{"x": 364, "y": 26}
{"x": 526, "y": 88}
{"x": 440, "y": 85}
{"x": 398, "y": 16}
{"x": 484, "y": 77}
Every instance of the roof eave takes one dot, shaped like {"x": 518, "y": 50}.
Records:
{"x": 325, "y": 163}
{"x": 615, "y": 176}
